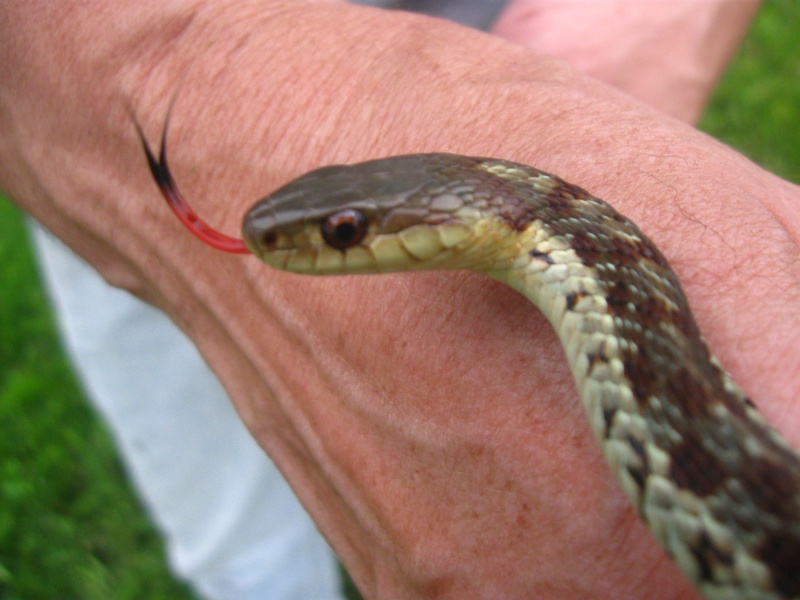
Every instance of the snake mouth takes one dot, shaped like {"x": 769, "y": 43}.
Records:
{"x": 307, "y": 251}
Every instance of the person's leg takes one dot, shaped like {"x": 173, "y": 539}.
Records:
{"x": 232, "y": 526}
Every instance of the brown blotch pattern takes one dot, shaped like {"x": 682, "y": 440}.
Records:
{"x": 750, "y": 481}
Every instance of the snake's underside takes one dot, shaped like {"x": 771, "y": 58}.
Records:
{"x": 716, "y": 485}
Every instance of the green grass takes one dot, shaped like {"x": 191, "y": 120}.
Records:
{"x": 69, "y": 525}
{"x": 756, "y": 107}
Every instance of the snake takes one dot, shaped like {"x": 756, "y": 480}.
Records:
{"x": 716, "y": 485}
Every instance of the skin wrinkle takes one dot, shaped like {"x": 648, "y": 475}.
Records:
{"x": 355, "y": 498}
{"x": 787, "y": 214}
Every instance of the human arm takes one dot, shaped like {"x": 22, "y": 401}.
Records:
{"x": 320, "y": 368}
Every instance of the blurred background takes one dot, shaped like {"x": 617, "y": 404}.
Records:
{"x": 70, "y": 526}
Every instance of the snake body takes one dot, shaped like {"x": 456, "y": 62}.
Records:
{"x": 716, "y": 485}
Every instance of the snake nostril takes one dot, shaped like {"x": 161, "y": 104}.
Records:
{"x": 268, "y": 238}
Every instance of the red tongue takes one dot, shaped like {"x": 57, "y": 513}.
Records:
{"x": 165, "y": 182}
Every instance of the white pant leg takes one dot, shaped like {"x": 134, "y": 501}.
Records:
{"x": 232, "y": 525}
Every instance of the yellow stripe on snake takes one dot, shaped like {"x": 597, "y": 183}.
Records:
{"x": 716, "y": 485}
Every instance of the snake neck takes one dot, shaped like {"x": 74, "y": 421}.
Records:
{"x": 688, "y": 448}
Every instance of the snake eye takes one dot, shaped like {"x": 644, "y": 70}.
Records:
{"x": 344, "y": 229}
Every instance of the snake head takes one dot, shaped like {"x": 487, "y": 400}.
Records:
{"x": 393, "y": 214}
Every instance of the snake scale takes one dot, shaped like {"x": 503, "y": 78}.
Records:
{"x": 717, "y": 486}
